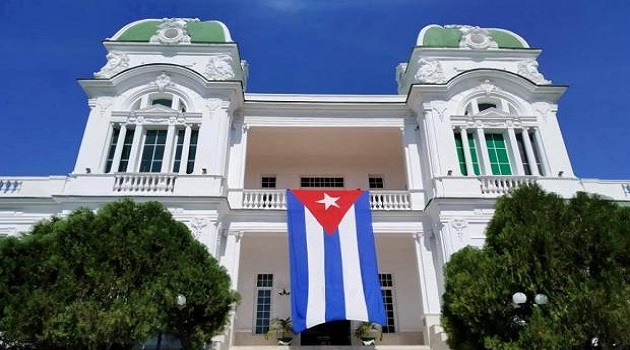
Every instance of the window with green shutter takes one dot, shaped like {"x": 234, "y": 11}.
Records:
{"x": 460, "y": 153}
{"x": 473, "y": 153}
{"x": 498, "y": 154}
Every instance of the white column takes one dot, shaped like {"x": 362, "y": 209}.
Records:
{"x": 483, "y": 150}
{"x": 546, "y": 167}
{"x": 183, "y": 164}
{"x": 516, "y": 155}
{"x": 413, "y": 167}
{"x": 230, "y": 260}
{"x": 236, "y": 168}
{"x": 167, "y": 161}
{"x": 119, "y": 147}
{"x": 427, "y": 274}
{"x": 467, "y": 155}
{"x": 136, "y": 149}
{"x": 529, "y": 150}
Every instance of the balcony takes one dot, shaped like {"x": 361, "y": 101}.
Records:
{"x": 276, "y": 200}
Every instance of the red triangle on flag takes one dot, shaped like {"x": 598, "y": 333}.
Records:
{"x": 328, "y": 207}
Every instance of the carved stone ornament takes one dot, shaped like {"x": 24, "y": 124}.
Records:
{"x": 172, "y": 31}
{"x": 401, "y": 69}
{"x": 543, "y": 109}
{"x": 197, "y": 225}
{"x": 529, "y": 69}
{"x": 219, "y": 67}
{"x": 439, "y": 108}
{"x": 116, "y": 63}
{"x": 487, "y": 86}
{"x": 162, "y": 82}
{"x": 474, "y": 37}
{"x": 429, "y": 72}
{"x": 459, "y": 225}
{"x": 104, "y": 103}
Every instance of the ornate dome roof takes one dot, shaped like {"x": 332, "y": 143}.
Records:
{"x": 174, "y": 31}
{"x": 470, "y": 37}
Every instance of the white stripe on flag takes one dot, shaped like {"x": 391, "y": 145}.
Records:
{"x": 316, "y": 305}
{"x": 356, "y": 308}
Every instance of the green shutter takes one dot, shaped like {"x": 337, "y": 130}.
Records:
{"x": 498, "y": 154}
{"x": 460, "y": 153}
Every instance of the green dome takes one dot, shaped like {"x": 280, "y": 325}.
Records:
{"x": 199, "y": 32}
{"x": 451, "y": 36}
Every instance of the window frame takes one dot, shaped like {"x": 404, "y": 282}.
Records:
{"x": 260, "y": 325}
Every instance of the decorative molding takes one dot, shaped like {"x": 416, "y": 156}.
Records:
{"x": 439, "y": 108}
{"x": 487, "y": 87}
{"x": 219, "y": 67}
{"x": 156, "y": 114}
{"x": 401, "y": 69}
{"x": 529, "y": 69}
{"x": 214, "y": 105}
{"x": 459, "y": 225}
{"x": 116, "y": 62}
{"x": 162, "y": 81}
{"x": 197, "y": 225}
{"x": 474, "y": 37}
{"x": 172, "y": 31}
{"x": 237, "y": 234}
{"x": 429, "y": 72}
{"x": 104, "y": 103}
{"x": 543, "y": 109}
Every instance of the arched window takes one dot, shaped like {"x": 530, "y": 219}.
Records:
{"x": 157, "y": 140}
{"x": 492, "y": 147}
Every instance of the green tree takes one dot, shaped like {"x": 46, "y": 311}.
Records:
{"x": 110, "y": 279}
{"x": 577, "y": 252}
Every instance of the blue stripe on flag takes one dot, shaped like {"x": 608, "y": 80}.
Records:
{"x": 298, "y": 261}
{"x": 367, "y": 257}
{"x": 335, "y": 301}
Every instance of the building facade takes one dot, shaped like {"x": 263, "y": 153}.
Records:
{"x": 170, "y": 121}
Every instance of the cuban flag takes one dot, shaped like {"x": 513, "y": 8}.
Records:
{"x": 334, "y": 272}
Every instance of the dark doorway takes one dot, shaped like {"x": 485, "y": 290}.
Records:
{"x": 329, "y": 333}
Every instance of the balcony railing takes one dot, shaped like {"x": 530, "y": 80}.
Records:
{"x": 502, "y": 184}
{"x": 276, "y": 199}
{"x": 145, "y": 182}
{"x": 10, "y": 186}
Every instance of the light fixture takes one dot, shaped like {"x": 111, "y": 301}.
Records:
{"x": 180, "y": 300}
{"x": 88, "y": 170}
{"x": 541, "y": 299}
{"x": 204, "y": 171}
{"x": 560, "y": 173}
{"x": 449, "y": 173}
{"x": 519, "y": 298}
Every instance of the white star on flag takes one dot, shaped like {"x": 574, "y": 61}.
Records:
{"x": 328, "y": 201}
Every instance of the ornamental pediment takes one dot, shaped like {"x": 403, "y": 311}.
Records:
{"x": 492, "y": 112}
{"x": 156, "y": 110}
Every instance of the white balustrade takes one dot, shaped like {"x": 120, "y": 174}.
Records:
{"x": 390, "y": 200}
{"x": 10, "y": 186}
{"x": 144, "y": 182}
{"x": 502, "y": 184}
{"x": 264, "y": 199}
{"x": 276, "y": 199}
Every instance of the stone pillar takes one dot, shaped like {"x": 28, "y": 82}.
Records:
{"x": 413, "y": 166}
{"x": 529, "y": 150}
{"x": 467, "y": 155}
{"x": 231, "y": 260}
{"x": 183, "y": 164}
{"x": 427, "y": 274}
{"x": 483, "y": 150}
{"x": 167, "y": 159}
{"x": 237, "y": 160}
{"x": 136, "y": 150}
{"x": 516, "y": 155}
{"x": 119, "y": 147}
{"x": 546, "y": 167}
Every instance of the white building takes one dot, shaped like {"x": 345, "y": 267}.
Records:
{"x": 170, "y": 121}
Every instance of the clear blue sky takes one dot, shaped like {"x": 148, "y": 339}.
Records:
{"x": 311, "y": 46}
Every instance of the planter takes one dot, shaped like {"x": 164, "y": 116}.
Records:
{"x": 286, "y": 341}
{"x": 368, "y": 341}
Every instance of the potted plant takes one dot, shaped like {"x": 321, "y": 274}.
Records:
{"x": 283, "y": 329}
{"x": 368, "y": 332}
